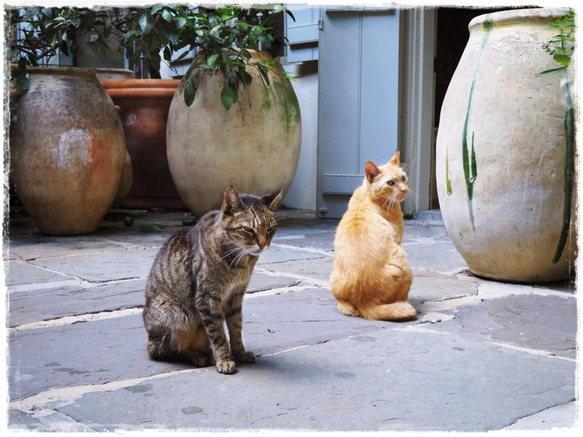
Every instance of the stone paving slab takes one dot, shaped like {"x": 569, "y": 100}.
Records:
{"x": 48, "y": 358}
{"x": 381, "y": 381}
{"x": 54, "y": 303}
{"x": 323, "y": 241}
{"x": 440, "y": 257}
{"x": 428, "y": 286}
{"x": 263, "y": 282}
{"x": 415, "y": 231}
{"x": 18, "y": 273}
{"x": 546, "y": 323}
{"x": 104, "y": 267}
{"x": 278, "y": 254}
{"x": 317, "y": 267}
{"x": 31, "y": 247}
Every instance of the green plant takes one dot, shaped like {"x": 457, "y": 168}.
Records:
{"x": 152, "y": 33}
{"x": 222, "y": 36}
{"x": 37, "y": 34}
{"x": 145, "y": 31}
{"x": 561, "y": 47}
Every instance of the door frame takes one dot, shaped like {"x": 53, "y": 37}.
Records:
{"x": 416, "y": 127}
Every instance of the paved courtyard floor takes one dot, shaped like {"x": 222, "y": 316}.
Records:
{"x": 481, "y": 356}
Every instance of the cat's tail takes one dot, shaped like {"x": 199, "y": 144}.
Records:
{"x": 398, "y": 311}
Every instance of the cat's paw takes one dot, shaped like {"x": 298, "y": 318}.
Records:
{"x": 246, "y": 357}
{"x": 226, "y": 367}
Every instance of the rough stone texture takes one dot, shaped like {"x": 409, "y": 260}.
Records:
{"x": 480, "y": 356}
{"x": 546, "y": 323}
{"x": 363, "y": 383}
{"x": 48, "y": 304}
{"x": 104, "y": 266}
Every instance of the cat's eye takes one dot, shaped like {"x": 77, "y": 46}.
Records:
{"x": 391, "y": 183}
{"x": 404, "y": 178}
{"x": 249, "y": 230}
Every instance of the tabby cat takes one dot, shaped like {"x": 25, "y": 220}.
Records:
{"x": 371, "y": 276}
{"x": 198, "y": 281}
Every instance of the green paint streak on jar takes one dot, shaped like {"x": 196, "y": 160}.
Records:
{"x": 266, "y": 104}
{"x": 569, "y": 171}
{"x": 290, "y": 107}
{"x": 469, "y": 154}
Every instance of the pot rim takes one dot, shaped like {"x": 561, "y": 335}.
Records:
{"x": 514, "y": 16}
{"x": 141, "y": 93}
{"x": 62, "y": 70}
{"x": 137, "y": 84}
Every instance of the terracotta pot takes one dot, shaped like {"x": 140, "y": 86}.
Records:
{"x": 502, "y": 148}
{"x": 254, "y": 146}
{"x": 68, "y": 149}
{"x": 144, "y": 105}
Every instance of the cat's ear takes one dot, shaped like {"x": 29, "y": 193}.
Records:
{"x": 231, "y": 201}
{"x": 395, "y": 159}
{"x": 371, "y": 171}
{"x": 272, "y": 200}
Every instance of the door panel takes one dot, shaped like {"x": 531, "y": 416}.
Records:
{"x": 358, "y": 101}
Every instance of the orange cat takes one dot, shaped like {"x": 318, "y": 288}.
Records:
{"x": 371, "y": 276}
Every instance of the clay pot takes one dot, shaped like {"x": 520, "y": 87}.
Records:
{"x": 144, "y": 105}
{"x": 254, "y": 146}
{"x": 501, "y": 151}
{"x": 67, "y": 150}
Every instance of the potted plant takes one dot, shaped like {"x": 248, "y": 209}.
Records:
{"x": 67, "y": 143}
{"x": 235, "y": 119}
{"x": 505, "y": 147}
{"x": 148, "y": 33}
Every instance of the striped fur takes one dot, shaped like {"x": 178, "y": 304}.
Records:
{"x": 198, "y": 281}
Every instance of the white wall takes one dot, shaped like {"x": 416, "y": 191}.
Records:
{"x": 302, "y": 193}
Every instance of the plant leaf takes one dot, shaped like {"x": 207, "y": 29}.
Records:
{"x": 166, "y": 15}
{"x": 212, "y": 60}
{"x": 229, "y": 96}
{"x": 564, "y": 60}
{"x": 146, "y": 22}
{"x": 189, "y": 91}
{"x": 550, "y": 72}
{"x": 152, "y": 227}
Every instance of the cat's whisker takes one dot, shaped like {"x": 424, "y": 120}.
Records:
{"x": 230, "y": 252}
{"x": 235, "y": 262}
{"x": 392, "y": 202}
{"x": 389, "y": 203}
{"x": 242, "y": 253}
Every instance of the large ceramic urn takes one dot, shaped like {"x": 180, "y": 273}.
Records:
{"x": 253, "y": 146}
{"x": 143, "y": 106}
{"x": 505, "y": 152}
{"x": 67, "y": 149}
